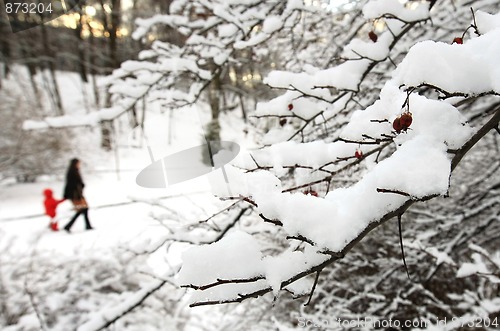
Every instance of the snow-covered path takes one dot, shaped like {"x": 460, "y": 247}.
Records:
{"x": 120, "y": 212}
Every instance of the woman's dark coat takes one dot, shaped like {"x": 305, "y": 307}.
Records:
{"x": 74, "y": 185}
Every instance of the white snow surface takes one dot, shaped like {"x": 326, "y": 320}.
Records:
{"x": 375, "y": 51}
{"x": 468, "y": 269}
{"x": 470, "y": 68}
{"x": 312, "y": 154}
{"x": 429, "y": 119}
{"x": 419, "y": 167}
{"x": 288, "y": 264}
{"x": 406, "y": 11}
{"x": 238, "y": 256}
{"x": 272, "y": 24}
{"x": 345, "y": 76}
{"x": 487, "y": 22}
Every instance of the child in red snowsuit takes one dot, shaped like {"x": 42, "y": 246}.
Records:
{"x": 50, "y": 208}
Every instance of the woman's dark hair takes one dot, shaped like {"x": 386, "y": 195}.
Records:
{"x": 72, "y": 163}
{"x": 74, "y": 183}
{"x": 73, "y": 169}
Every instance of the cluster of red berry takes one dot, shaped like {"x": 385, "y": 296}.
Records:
{"x": 311, "y": 192}
{"x": 283, "y": 121}
{"x": 403, "y": 122}
{"x": 458, "y": 40}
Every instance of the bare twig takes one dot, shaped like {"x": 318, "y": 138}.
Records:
{"x": 402, "y": 248}
{"x": 313, "y": 288}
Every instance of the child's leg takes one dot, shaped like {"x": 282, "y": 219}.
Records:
{"x": 53, "y": 224}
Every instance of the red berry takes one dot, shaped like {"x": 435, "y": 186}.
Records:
{"x": 458, "y": 40}
{"x": 290, "y": 106}
{"x": 396, "y": 125}
{"x": 358, "y": 154}
{"x": 282, "y": 121}
{"x": 405, "y": 120}
{"x": 311, "y": 192}
{"x": 373, "y": 36}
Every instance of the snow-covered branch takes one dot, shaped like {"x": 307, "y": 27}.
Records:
{"x": 418, "y": 170}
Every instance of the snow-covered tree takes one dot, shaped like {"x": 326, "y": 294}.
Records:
{"x": 210, "y": 46}
{"x": 380, "y": 105}
{"x": 407, "y": 144}
{"x": 89, "y": 290}
{"x": 27, "y": 154}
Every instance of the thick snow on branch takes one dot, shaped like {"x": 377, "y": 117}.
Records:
{"x": 90, "y": 119}
{"x": 360, "y": 54}
{"x": 108, "y": 315}
{"x": 419, "y": 168}
{"x": 483, "y": 264}
{"x": 471, "y": 68}
{"x": 313, "y": 154}
{"x": 429, "y": 119}
{"x": 242, "y": 262}
{"x": 487, "y": 22}
{"x": 345, "y": 76}
{"x": 375, "y": 51}
{"x": 145, "y": 24}
{"x": 408, "y": 12}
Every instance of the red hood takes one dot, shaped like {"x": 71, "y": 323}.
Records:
{"x": 48, "y": 193}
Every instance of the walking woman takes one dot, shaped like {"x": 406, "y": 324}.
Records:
{"x": 74, "y": 192}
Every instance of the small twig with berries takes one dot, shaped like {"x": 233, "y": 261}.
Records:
{"x": 474, "y": 25}
{"x": 403, "y": 122}
{"x": 460, "y": 40}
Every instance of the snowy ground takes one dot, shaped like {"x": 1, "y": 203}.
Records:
{"x": 116, "y": 213}
{"x": 120, "y": 210}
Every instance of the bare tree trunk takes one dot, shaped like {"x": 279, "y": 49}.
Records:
{"x": 111, "y": 26}
{"x": 242, "y": 106}
{"x": 116, "y": 151}
{"x": 214, "y": 92}
{"x": 242, "y": 103}
{"x": 113, "y": 32}
{"x": 49, "y": 62}
{"x": 5, "y": 47}
{"x": 106, "y": 132}
{"x": 30, "y": 65}
{"x": 81, "y": 46}
{"x": 133, "y": 120}
{"x": 92, "y": 65}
